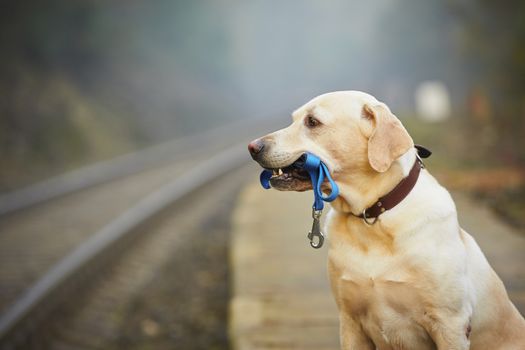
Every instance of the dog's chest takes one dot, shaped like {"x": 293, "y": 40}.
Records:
{"x": 375, "y": 286}
{"x": 385, "y": 305}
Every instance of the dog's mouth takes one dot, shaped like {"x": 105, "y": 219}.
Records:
{"x": 291, "y": 177}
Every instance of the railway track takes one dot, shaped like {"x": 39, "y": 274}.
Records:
{"x": 54, "y": 247}
{"x": 168, "y": 289}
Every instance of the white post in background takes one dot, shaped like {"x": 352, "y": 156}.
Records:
{"x": 433, "y": 101}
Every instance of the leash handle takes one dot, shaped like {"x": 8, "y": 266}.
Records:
{"x": 265, "y": 178}
{"x": 318, "y": 172}
{"x": 334, "y": 192}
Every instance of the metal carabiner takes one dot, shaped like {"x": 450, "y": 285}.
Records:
{"x": 316, "y": 230}
{"x": 320, "y": 241}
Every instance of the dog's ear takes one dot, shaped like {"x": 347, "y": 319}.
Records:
{"x": 389, "y": 139}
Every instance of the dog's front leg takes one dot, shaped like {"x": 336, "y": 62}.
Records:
{"x": 450, "y": 333}
{"x": 352, "y": 336}
{"x": 451, "y": 342}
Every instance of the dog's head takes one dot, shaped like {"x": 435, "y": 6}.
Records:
{"x": 352, "y": 132}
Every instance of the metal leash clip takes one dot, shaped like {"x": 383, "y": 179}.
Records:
{"x": 316, "y": 230}
{"x": 318, "y": 172}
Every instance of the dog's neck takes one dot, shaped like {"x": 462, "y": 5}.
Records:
{"x": 360, "y": 191}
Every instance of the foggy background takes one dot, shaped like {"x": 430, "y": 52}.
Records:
{"x": 82, "y": 81}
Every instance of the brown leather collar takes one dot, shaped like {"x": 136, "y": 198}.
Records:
{"x": 403, "y": 188}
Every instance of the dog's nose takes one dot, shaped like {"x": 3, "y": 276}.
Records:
{"x": 255, "y": 147}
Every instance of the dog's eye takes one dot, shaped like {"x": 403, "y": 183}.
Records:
{"x": 311, "y": 122}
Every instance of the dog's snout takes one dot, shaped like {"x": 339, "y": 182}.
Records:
{"x": 255, "y": 147}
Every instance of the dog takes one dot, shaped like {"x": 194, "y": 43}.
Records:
{"x": 410, "y": 277}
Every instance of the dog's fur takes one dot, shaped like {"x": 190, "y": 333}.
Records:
{"x": 414, "y": 279}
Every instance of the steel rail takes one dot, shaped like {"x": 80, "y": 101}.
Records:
{"x": 18, "y": 322}
{"x": 124, "y": 165}
{"x": 27, "y": 314}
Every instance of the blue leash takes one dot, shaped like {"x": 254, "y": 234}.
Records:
{"x": 318, "y": 172}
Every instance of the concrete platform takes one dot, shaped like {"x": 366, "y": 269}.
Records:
{"x": 280, "y": 294}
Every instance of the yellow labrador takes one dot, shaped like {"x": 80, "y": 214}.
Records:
{"x": 413, "y": 279}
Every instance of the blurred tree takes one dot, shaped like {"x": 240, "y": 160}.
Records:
{"x": 494, "y": 57}
{"x": 83, "y": 80}
{"x": 47, "y": 121}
